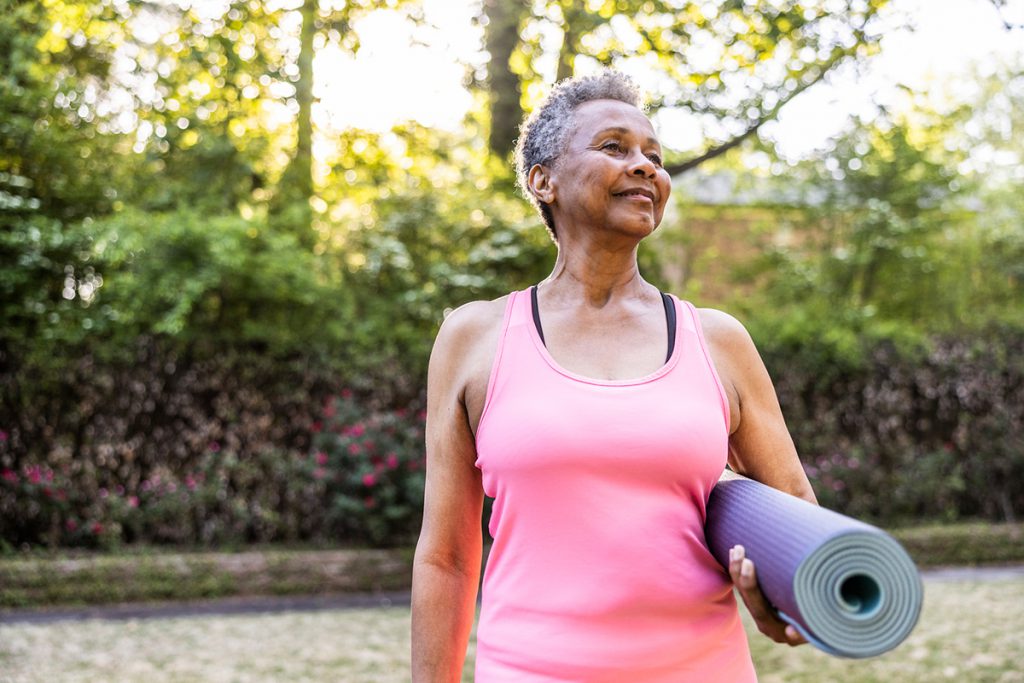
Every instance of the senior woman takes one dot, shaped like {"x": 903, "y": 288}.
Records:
{"x": 599, "y": 413}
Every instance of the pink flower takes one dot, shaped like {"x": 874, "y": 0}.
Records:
{"x": 133, "y": 501}
{"x": 10, "y": 476}
{"x": 71, "y": 525}
{"x": 3, "y": 435}
{"x": 319, "y": 473}
{"x": 358, "y": 429}
{"x": 369, "y": 479}
{"x": 330, "y": 410}
{"x": 354, "y": 449}
{"x": 104, "y": 493}
{"x": 316, "y": 427}
{"x": 49, "y": 475}
{"x": 190, "y": 482}
{"x": 321, "y": 458}
{"x": 33, "y": 474}
{"x": 392, "y": 461}
{"x": 214, "y": 447}
{"x": 97, "y": 528}
{"x": 346, "y": 393}
{"x": 119, "y": 490}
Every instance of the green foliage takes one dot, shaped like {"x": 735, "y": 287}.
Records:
{"x": 754, "y": 55}
{"x": 422, "y": 240}
{"x": 219, "y": 280}
{"x": 56, "y": 156}
{"x": 893, "y": 241}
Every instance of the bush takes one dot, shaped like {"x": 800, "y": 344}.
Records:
{"x": 904, "y": 432}
{"x": 371, "y": 467}
{"x": 362, "y": 482}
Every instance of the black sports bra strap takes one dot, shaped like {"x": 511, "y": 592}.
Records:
{"x": 536, "y": 314}
{"x": 670, "y": 318}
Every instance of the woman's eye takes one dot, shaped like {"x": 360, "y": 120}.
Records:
{"x": 655, "y": 157}
{"x": 613, "y": 146}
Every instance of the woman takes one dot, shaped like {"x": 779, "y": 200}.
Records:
{"x": 599, "y": 413}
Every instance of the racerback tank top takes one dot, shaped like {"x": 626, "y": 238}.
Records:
{"x": 599, "y": 571}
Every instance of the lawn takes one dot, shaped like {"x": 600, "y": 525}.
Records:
{"x": 969, "y": 631}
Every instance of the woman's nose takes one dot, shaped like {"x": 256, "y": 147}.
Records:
{"x": 641, "y": 165}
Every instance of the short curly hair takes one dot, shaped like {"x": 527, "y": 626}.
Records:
{"x": 545, "y": 133}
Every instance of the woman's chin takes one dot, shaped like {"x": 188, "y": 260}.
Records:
{"x": 638, "y": 228}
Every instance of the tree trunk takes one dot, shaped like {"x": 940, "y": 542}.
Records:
{"x": 500, "y": 38}
{"x": 304, "y": 96}
{"x": 290, "y": 209}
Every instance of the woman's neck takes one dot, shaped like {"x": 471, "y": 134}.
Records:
{"x": 595, "y": 275}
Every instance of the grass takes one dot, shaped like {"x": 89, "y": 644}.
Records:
{"x": 37, "y": 581}
{"x": 968, "y": 632}
{"x": 963, "y": 543}
{"x": 138, "y": 575}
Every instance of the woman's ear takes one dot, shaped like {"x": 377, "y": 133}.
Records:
{"x": 541, "y": 183}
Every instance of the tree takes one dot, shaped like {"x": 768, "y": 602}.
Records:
{"x": 733, "y": 64}
{"x": 501, "y": 36}
{"x": 58, "y": 167}
{"x": 898, "y": 230}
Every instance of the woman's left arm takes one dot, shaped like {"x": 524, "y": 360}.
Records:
{"x": 760, "y": 447}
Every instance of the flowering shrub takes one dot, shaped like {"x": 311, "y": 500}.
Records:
{"x": 176, "y": 451}
{"x": 370, "y": 465}
{"x": 362, "y": 481}
{"x": 900, "y": 435}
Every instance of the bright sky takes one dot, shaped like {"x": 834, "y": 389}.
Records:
{"x": 400, "y": 74}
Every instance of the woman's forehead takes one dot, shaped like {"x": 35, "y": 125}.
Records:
{"x": 597, "y": 115}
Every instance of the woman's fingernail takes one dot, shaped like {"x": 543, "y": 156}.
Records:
{"x": 747, "y": 568}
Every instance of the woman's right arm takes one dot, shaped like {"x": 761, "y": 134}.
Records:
{"x": 446, "y": 568}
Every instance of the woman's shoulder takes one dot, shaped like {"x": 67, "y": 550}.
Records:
{"x": 721, "y": 328}
{"x": 472, "y": 319}
{"x": 470, "y": 328}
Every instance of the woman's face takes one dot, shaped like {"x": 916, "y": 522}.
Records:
{"x": 610, "y": 176}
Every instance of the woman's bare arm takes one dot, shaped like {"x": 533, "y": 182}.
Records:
{"x": 446, "y": 568}
{"x": 760, "y": 447}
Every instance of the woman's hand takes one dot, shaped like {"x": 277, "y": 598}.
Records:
{"x": 744, "y": 578}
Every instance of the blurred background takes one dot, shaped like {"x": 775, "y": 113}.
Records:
{"x": 229, "y": 230}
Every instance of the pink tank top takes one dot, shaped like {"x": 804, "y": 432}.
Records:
{"x": 599, "y": 571}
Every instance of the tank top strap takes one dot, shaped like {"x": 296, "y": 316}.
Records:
{"x": 690, "y": 322}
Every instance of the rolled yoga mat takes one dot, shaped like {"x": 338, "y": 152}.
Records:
{"x": 849, "y": 588}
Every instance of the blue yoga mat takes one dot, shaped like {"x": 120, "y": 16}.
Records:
{"x": 849, "y": 588}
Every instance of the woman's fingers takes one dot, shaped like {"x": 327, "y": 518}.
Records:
{"x": 744, "y": 577}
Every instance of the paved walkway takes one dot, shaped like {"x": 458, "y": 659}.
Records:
{"x": 271, "y": 605}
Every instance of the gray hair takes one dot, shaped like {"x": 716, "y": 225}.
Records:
{"x": 544, "y": 135}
